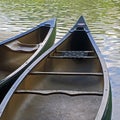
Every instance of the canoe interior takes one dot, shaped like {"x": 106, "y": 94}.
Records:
{"x": 15, "y": 53}
{"x": 36, "y": 107}
{"x": 59, "y": 72}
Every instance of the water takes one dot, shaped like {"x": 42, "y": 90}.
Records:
{"x": 102, "y": 16}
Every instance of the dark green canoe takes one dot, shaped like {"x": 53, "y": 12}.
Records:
{"x": 68, "y": 82}
{"x": 20, "y": 51}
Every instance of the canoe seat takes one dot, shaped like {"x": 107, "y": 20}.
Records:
{"x": 75, "y": 54}
{"x": 23, "y": 47}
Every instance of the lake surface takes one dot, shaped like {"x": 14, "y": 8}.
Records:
{"x": 102, "y": 17}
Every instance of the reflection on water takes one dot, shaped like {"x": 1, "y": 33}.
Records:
{"x": 102, "y": 17}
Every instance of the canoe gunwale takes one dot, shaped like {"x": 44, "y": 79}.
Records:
{"x": 106, "y": 91}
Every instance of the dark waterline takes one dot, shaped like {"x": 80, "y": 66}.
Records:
{"x": 103, "y": 19}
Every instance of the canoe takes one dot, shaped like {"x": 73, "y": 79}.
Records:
{"x": 20, "y": 51}
{"x": 68, "y": 82}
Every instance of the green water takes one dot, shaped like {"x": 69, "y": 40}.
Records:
{"x": 102, "y": 17}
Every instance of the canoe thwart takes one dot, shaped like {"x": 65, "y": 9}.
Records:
{"x": 18, "y": 46}
{"x": 66, "y": 92}
{"x": 66, "y": 73}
